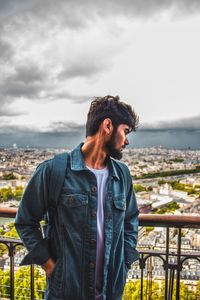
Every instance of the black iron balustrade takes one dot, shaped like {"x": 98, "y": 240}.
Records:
{"x": 172, "y": 269}
{"x": 170, "y": 221}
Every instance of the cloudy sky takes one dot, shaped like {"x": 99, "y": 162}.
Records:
{"x": 56, "y": 55}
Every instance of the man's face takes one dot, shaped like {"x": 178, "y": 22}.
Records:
{"x": 118, "y": 141}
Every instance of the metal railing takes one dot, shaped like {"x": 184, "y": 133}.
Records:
{"x": 172, "y": 258}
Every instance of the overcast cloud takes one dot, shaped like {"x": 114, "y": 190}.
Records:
{"x": 185, "y": 123}
{"x": 56, "y": 55}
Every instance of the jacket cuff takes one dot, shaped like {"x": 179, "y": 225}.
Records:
{"x": 131, "y": 255}
{"x": 38, "y": 255}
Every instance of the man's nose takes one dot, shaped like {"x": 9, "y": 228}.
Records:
{"x": 126, "y": 142}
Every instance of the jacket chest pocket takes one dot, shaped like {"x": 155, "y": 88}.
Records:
{"x": 73, "y": 209}
{"x": 119, "y": 209}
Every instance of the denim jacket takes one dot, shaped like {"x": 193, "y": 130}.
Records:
{"x": 72, "y": 241}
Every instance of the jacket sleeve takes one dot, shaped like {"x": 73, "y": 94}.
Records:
{"x": 130, "y": 224}
{"x": 31, "y": 210}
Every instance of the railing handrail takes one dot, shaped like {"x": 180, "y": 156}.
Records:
{"x": 180, "y": 221}
{"x": 144, "y": 219}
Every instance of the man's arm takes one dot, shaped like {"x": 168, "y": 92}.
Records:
{"x": 33, "y": 206}
{"x": 130, "y": 225}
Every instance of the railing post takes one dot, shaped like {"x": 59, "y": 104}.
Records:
{"x": 166, "y": 262}
{"x": 32, "y": 282}
{"x": 142, "y": 266}
{"x": 171, "y": 283}
{"x": 178, "y": 265}
{"x": 11, "y": 254}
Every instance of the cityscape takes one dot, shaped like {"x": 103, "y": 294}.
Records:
{"x": 166, "y": 181}
{"x": 56, "y": 58}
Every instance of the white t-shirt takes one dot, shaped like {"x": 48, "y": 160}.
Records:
{"x": 101, "y": 176}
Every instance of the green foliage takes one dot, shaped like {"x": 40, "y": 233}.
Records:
{"x": 12, "y": 233}
{"x": 18, "y": 192}
{"x": 156, "y": 291}
{"x": 9, "y": 176}
{"x": 3, "y": 250}
{"x": 140, "y": 188}
{"x": 178, "y": 159}
{"x": 2, "y": 231}
{"x": 169, "y": 173}
{"x": 167, "y": 208}
{"x": 7, "y": 193}
{"x": 176, "y": 185}
{"x": 4, "y": 284}
{"x": 22, "y": 284}
{"x": 185, "y": 293}
{"x": 132, "y": 290}
{"x": 198, "y": 290}
{"x": 10, "y": 225}
{"x": 149, "y": 229}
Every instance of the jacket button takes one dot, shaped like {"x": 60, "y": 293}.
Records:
{"x": 91, "y": 289}
{"x": 93, "y": 241}
{"x": 92, "y": 265}
{"x": 93, "y": 214}
{"x": 94, "y": 189}
{"x": 71, "y": 200}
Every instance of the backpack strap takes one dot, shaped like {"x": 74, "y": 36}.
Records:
{"x": 59, "y": 166}
{"x": 57, "y": 177}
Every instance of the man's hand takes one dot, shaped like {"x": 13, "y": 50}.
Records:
{"x": 49, "y": 266}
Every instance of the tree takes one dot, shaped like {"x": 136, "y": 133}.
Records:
{"x": 22, "y": 284}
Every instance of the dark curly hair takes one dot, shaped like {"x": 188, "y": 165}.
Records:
{"x": 110, "y": 107}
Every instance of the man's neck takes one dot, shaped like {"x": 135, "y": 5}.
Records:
{"x": 94, "y": 153}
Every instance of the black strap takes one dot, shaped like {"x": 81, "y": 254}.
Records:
{"x": 57, "y": 177}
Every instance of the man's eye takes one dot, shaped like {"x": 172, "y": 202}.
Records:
{"x": 126, "y": 131}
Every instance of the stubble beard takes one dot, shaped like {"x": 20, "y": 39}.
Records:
{"x": 110, "y": 145}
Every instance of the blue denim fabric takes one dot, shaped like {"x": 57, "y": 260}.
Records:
{"x": 72, "y": 242}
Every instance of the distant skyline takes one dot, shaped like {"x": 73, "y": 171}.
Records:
{"x": 55, "y": 56}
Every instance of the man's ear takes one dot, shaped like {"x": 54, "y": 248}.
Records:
{"x": 108, "y": 126}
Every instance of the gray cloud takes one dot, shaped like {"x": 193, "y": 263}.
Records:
{"x": 6, "y": 51}
{"x": 24, "y": 24}
{"x": 29, "y": 73}
{"x": 6, "y": 128}
{"x": 85, "y": 68}
{"x": 13, "y": 7}
{"x": 65, "y": 127}
{"x": 26, "y": 81}
{"x": 30, "y": 81}
{"x": 73, "y": 12}
{"x": 6, "y": 111}
{"x": 54, "y": 127}
{"x": 77, "y": 99}
{"x": 191, "y": 123}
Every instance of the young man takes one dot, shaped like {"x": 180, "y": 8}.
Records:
{"x": 94, "y": 231}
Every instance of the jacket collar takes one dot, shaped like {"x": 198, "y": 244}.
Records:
{"x": 78, "y": 164}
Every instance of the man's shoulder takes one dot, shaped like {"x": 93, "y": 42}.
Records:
{"x": 121, "y": 166}
{"x": 48, "y": 163}
{"x": 45, "y": 164}
{"x": 118, "y": 162}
